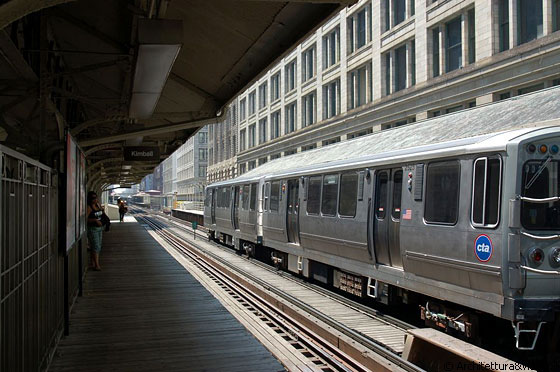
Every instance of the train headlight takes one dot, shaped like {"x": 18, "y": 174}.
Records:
{"x": 555, "y": 257}
{"x": 531, "y": 148}
{"x": 536, "y": 255}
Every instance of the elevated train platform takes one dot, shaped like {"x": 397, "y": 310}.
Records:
{"x": 145, "y": 312}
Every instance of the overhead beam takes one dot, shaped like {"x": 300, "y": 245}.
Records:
{"x": 92, "y": 67}
{"x": 90, "y": 123}
{"x": 102, "y": 147}
{"x": 15, "y": 9}
{"x": 173, "y": 127}
{"x": 91, "y": 30}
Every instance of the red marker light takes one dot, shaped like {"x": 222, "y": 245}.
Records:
{"x": 537, "y": 255}
{"x": 409, "y": 174}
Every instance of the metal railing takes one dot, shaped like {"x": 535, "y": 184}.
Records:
{"x": 31, "y": 266}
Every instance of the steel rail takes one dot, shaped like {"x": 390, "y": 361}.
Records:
{"x": 374, "y": 345}
{"x": 180, "y": 223}
{"x": 334, "y": 358}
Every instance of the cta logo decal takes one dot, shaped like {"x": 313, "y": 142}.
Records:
{"x": 483, "y": 247}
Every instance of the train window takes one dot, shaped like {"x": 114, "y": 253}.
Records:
{"x": 274, "y": 196}
{"x": 245, "y": 204}
{"x": 442, "y": 192}
{"x": 219, "y": 193}
{"x": 253, "y": 204}
{"x": 348, "y": 194}
{"x": 227, "y": 197}
{"x": 329, "y": 195}
{"x": 486, "y": 191}
{"x": 314, "y": 195}
{"x": 397, "y": 194}
{"x": 381, "y": 195}
{"x": 541, "y": 179}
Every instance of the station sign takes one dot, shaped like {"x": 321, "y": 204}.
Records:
{"x": 141, "y": 153}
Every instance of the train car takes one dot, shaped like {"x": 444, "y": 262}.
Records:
{"x": 460, "y": 212}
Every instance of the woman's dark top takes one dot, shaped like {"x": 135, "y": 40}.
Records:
{"x": 95, "y": 214}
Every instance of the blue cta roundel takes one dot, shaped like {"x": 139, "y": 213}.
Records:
{"x": 483, "y": 248}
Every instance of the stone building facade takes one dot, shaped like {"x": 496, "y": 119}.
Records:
{"x": 192, "y": 163}
{"x": 385, "y": 63}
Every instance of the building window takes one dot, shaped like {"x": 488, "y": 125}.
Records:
{"x": 308, "y": 63}
{"x": 453, "y": 47}
{"x": 471, "y": 36}
{"x": 556, "y": 15}
{"x": 275, "y": 156}
{"x": 435, "y": 54}
{"x": 242, "y": 109}
{"x": 252, "y": 135}
{"x": 252, "y": 108}
{"x": 529, "y": 20}
{"x": 359, "y": 86}
{"x": 290, "y": 152}
{"x": 263, "y": 99}
{"x": 252, "y": 165}
{"x": 202, "y": 171}
{"x": 202, "y": 137}
{"x": 330, "y": 141}
{"x": 359, "y": 29}
{"x": 202, "y": 154}
{"x": 309, "y": 109}
{"x": 262, "y": 130}
{"x": 331, "y": 99}
{"x": 331, "y": 48}
{"x": 275, "y": 125}
{"x": 530, "y": 89}
{"x": 263, "y": 160}
{"x": 290, "y": 114}
{"x": 400, "y": 68}
{"x": 275, "y": 87}
{"x": 360, "y": 133}
{"x": 442, "y": 192}
{"x": 242, "y": 143}
{"x": 503, "y": 19}
{"x": 308, "y": 147}
{"x": 290, "y": 75}
{"x": 399, "y": 11}
{"x": 242, "y": 168}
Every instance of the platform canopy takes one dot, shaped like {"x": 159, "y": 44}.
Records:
{"x": 118, "y": 73}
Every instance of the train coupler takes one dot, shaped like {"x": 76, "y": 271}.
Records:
{"x": 446, "y": 320}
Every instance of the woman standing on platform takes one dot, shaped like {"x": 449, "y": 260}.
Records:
{"x": 95, "y": 228}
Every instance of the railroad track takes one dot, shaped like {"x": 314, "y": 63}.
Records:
{"x": 323, "y": 355}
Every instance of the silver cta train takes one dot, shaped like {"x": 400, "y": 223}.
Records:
{"x": 461, "y": 211}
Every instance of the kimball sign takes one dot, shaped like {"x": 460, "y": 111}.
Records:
{"x": 141, "y": 153}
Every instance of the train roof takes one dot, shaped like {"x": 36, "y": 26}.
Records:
{"x": 496, "y": 123}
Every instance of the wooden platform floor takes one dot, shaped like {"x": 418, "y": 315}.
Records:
{"x": 144, "y": 312}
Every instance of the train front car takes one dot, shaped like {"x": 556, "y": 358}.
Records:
{"x": 533, "y": 246}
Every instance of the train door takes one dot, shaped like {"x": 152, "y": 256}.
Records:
{"x": 387, "y": 214}
{"x": 236, "y": 196}
{"x": 292, "y": 210}
{"x": 213, "y": 207}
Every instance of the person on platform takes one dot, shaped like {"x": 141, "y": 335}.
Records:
{"x": 122, "y": 209}
{"x": 95, "y": 228}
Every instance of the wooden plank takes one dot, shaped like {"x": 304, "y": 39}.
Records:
{"x": 430, "y": 348}
{"x": 144, "y": 312}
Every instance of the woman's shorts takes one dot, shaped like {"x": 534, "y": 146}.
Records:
{"x": 95, "y": 237}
